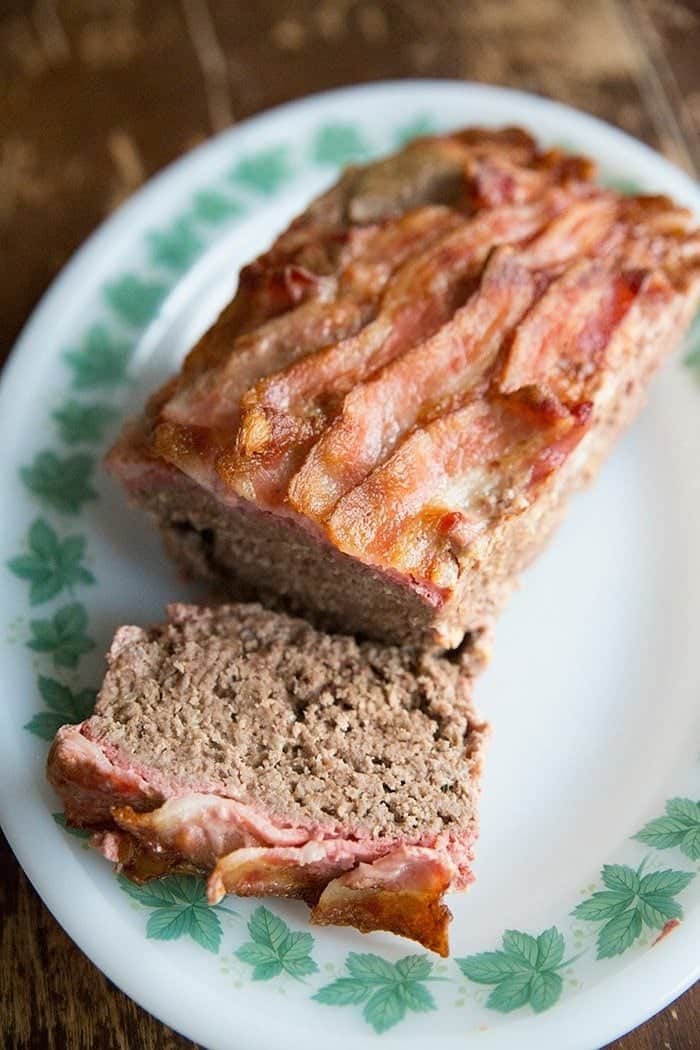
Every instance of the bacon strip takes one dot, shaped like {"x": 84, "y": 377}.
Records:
{"x": 212, "y": 397}
{"x": 401, "y": 893}
{"x": 496, "y": 181}
{"x": 302, "y": 265}
{"x": 90, "y": 783}
{"x": 559, "y": 346}
{"x": 201, "y": 828}
{"x": 284, "y": 413}
{"x": 376, "y": 414}
{"x": 300, "y": 872}
{"x": 465, "y": 463}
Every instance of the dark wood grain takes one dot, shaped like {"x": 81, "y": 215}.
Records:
{"x": 97, "y": 95}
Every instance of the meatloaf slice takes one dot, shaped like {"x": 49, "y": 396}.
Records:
{"x": 384, "y": 426}
{"x": 279, "y": 760}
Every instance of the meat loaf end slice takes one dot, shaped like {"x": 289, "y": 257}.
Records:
{"x": 279, "y": 760}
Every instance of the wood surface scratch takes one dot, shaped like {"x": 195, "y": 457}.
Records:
{"x": 24, "y": 47}
{"x": 50, "y": 31}
{"x": 656, "y": 83}
{"x": 127, "y": 162}
{"x": 212, "y": 62}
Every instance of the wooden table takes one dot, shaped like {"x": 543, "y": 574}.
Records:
{"x": 97, "y": 95}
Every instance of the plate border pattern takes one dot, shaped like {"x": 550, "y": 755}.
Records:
{"x": 631, "y": 905}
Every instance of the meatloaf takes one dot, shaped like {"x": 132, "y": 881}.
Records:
{"x": 279, "y": 760}
{"x": 383, "y": 427}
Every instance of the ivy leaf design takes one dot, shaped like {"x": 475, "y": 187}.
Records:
{"x": 511, "y": 993}
{"x": 628, "y": 187}
{"x": 523, "y": 971}
{"x": 619, "y": 933}
{"x": 63, "y": 635}
{"x": 620, "y": 878}
{"x": 179, "y": 908}
{"x": 80, "y": 833}
{"x": 135, "y": 300}
{"x": 63, "y": 484}
{"x": 680, "y": 827}
{"x": 176, "y": 248}
{"x": 630, "y": 902}
{"x": 100, "y": 361}
{"x": 83, "y": 423}
{"x": 386, "y": 989}
{"x": 65, "y": 707}
{"x": 274, "y": 948}
{"x": 212, "y": 207}
{"x": 265, "y": 171}
{"x": 692, "y": 343}
{"x": 338, "y": 144}
{"x": 423, "y": 124}
{"x": 51, "y": 564}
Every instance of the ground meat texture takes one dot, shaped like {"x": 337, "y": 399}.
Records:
{"x": 312, "y": 726}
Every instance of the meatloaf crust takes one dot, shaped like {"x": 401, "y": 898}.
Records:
{"x": 279, "y": 760}
{"x": 384, "y": 426}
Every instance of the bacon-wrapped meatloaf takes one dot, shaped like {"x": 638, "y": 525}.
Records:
{"x": 282, "y": 761}
{"x": 383, "y": 426}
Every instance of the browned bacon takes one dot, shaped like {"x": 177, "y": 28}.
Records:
{"x": 212, "y": 398}
{"x": 462, "y": 469}
{"x": 283, "y": 414}
{"x": 376, "y": 414}
{"x": 560, "y": 344}
{"x": 417, "y": 293}
{"x": 402, "y": 892}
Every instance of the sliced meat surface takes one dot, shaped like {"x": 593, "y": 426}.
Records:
{"x": 274, "y": 758}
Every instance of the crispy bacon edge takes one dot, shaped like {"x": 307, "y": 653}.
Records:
{"x": 392, "y": 886}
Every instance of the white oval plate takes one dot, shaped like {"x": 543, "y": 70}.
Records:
{"x": 592, "y": 691}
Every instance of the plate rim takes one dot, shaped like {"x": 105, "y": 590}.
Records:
{"x": 595, "y": 1027}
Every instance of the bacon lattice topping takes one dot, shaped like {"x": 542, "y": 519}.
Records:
{"x": 422, "y": 350}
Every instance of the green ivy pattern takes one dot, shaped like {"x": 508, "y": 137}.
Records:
{"x": 83, "y": 424}
{"x": 101, "y": 360}
{"x": 212, "y": 207}
{"x": 422, "y": 124}
{"x": 62, "y": 635}
{"x": 274, "y": 949}
{"x": 264, "y": 172}
{"x": 680, "y": 826}
{"x": 528, "y": 971}
{"x": 135, "y": 300}
{"x": 385, "y": 990}
{"x": 692, "y": 343}
{"x": 338, "y": 144}
{"x": 63, "y": 705}
{"x": 78, "y": 833}
{"x": 524, "y": 971}
{"x": 50, "y": 564}
{"x": 179, "y": 908}
{"x": 61, "y": 483}
{"x": 630, "y": 902}
{"x": 177, "y": 247}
